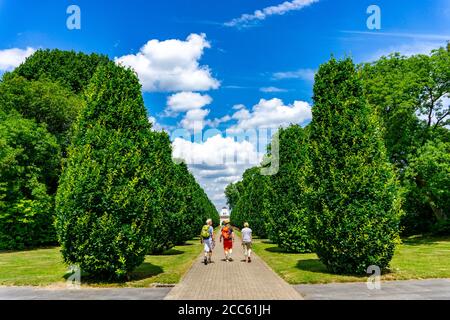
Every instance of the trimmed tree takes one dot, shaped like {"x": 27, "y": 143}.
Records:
{"x": 286, "y": 206}
{"x": 355, "y": 203}
{"x": 250, "y": 205}
{"x": 109, "y": 195}
{"x": 71, "y": 69}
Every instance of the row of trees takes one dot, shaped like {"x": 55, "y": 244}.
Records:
{"x": 81, "y": 164}
{"x": 368, "y": 167}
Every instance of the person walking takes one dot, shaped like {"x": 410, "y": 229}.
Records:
{"x": 207, "y": 236}
{"x": 247, "y": 242}
{"x": 227, "y": 235}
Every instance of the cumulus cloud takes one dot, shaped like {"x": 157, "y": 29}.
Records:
{"x": 172, "y": 65}
{"x": 12, "y": 58}
{"x": 304, "y": 74}
{"x": 250, "y": 19}
{"x": 271, "y": 114}
{"x": 194, "y": 119}
{"x": 186, "y": 101}
{"x": 217, "y": 162}
{"x": 217, "y": 121}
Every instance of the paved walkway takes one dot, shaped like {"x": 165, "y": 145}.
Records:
{"x": 35, "y": 293}
{"x": 431, "y": 289}
{"x": 236, "y": 280}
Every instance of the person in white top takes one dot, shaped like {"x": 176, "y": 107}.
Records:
{"x": 247, "y": 242}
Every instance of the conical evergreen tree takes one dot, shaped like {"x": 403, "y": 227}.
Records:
{"x": 355, "y": 201}
{"x": 286, "y": 206}
{"x": 109, "y": 195}
{"x": 251, "y": 204}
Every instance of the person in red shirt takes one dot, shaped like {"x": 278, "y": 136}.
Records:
{"x": 227, "y": 235}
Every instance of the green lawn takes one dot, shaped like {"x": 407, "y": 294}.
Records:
{"x": 416, "y": 258}
{"x": 44, "y": 267}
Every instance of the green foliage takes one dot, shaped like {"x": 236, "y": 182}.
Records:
{"x": 428, "y": 179}
{"x": 232, "y": 195}
{"x": 354, "y": 202}
{"x": 109, "y": 193}
{"x": 250, "y": 205}
{"x": 29, "y": 163}
{"x": 392, "y": 88}
{"x": 286, "y": 205}
{"x": 408, "y": 93}
{"x": 43, "y": 101}
{"x": 39, "y": 101}
{"x": 70, "y": 69}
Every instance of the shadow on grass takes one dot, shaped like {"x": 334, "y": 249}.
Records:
{"x": 171, "y": 252}
{"x": 315, "y": 265}
{"x": 144, "y": 271}
{"x": 49, "y": 247}
{"x": 186, "y": 244}
{"x": 424, "y": 240}
{"x": 312, "y": 265}
{"x": 275, "y": 250}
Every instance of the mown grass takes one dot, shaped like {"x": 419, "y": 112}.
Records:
{"x": 415, "y": 258}
{"x": 45, "y": 267}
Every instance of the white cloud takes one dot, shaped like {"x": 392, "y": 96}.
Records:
{"x": 272, "y": 90}
{"x": 155, "y": 125}
{"x": 216, "y": 151}
{"x": 194, "y": 119}
{"x": 258, "y": 15}
{"x": 238, "y": 107}
{"x": 217, "y": 162}
{"x": 12, "y": 58}
{"x": 214, "y": 123}
{"x": 172, "y": 65}
{"x": 272, "y": 114}
{"x": 185, "y": 101}
{"x": 304, "y": 74}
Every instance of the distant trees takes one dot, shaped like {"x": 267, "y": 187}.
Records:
{"x": 29, "y": 167}
{"x": 250, "y": 204}
{"x": 427, "y": 179}
{"x": 39, "y": 102}
{"x": 232, "y": 194}
{"x": 410, "y": 95}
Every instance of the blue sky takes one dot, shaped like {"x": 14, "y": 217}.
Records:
{"x": 211, "y": 67}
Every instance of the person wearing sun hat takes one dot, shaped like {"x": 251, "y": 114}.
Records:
{"x": 227, "y": 235}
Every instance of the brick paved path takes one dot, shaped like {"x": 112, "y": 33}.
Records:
{"x": 236, "y": 280}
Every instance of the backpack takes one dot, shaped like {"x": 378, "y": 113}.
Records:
{"x": 226, "y": 233}
{"x": 205, "y": 232}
